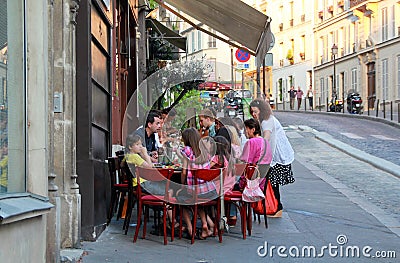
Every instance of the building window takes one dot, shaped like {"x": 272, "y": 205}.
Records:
{"x": 193, "y": 42}
{"x": 12, "y": 102}
{"x": 199, "y": 44}
{"x": 345, "y": 83}
{"x": 303, "y": 48}
{"x": 384, "y": 24}
{"x": 303, "y": 16}
{"x": 321, "y": 49}
{"x": 354, "y": 83}
{"x": 323, "y": 92}
{"x": 325, "y": 95}
{"x": 291, "y": 13}
{"x": 343, "y": 41}
{"x": 281, "y": 54}
{"x": 398, "y": 77}
{"x": 393, "y": 21}
{"x": 212, "y": 42}
{"x": 385, "y": 79}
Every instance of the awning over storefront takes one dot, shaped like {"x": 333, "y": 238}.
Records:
{"x": 167, "y": 34}
{"x": 211, "y": 85}
{"x": 234, "y": 19}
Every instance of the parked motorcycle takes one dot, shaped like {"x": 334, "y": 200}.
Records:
{"x": 335, "y": 105}
{"x": 354, "y": 103}
{"x": 233, "y": 107}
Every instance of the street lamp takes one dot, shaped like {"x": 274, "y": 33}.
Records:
{"x": 334, "y": 53}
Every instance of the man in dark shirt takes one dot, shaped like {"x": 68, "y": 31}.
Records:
{"x": 147, "y": 133}
{"x": 292, "y": 93}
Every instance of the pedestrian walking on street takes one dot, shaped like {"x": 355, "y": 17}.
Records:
{"x": 299, "y": 95}
{"x": 280, "y": 172}
{"x": 310, "y": 96}
{"x": 292, "y": 94}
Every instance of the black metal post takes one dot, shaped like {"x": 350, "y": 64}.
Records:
{"x": 398, "y": 112}
{"x": 232, "y": 84}
{"x": 334, "y": 81}
{"x": 377, "y": 107}
{"x": 243, "y": 91}
{"x": 327, "y": 106}
{"x": 305, "y": 104}
{"x": 319, "y": 103}
{"x": 391, "y": 110}
{"x": 283, "y": 101}
{"x": 368, "y": 105}
{"x": 258, "y": 83}
{"x": 351, "y": 106}
{"x": 264, "y": 81}
{"x": 384, "y": 109}
{"x": 343, "y": 96}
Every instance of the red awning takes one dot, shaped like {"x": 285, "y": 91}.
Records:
{"x": 211, "y": 85}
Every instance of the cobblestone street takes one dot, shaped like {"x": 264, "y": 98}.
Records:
{"x": 370, "y": 136}
{"x": 378, "y": 187}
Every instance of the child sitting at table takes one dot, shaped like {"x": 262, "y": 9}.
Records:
{"x": 194, "y": 157}
{"x": 224, "y": 159}
{"x": 221, "y": 159}
{"x": 139, "y": 157}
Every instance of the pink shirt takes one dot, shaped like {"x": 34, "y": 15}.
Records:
{"x": 254, "y": 149}
{"x": 299, "y": 94}
{"x": 229, "y": 178}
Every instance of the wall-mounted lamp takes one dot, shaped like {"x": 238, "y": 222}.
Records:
{"x": 353, "y": 18}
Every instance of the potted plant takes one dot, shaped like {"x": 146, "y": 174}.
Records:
{"x": 289, "y": 57}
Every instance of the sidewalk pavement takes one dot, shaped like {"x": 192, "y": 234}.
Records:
{"x": 323, "y": 210}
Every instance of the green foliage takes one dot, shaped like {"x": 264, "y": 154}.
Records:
{"x": 190, "y": 100}
{"x": 153, "y": 4}
{"x": 289, "y": 55}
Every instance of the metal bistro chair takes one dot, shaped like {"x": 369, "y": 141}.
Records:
{"x": 119, "y": 187}
{"x": 148, "y": 200}
{"x": 250, "y": 170}
{"x": 245, "y": 208}
{"x": 195, "y": 202}
{"x": 235, "y": 197}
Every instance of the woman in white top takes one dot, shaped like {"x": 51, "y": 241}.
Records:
{"x": 280, "y": 172}
{"x": 310, "y": 96}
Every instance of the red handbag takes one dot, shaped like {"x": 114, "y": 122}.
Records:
{"x": 271, "y": 203}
